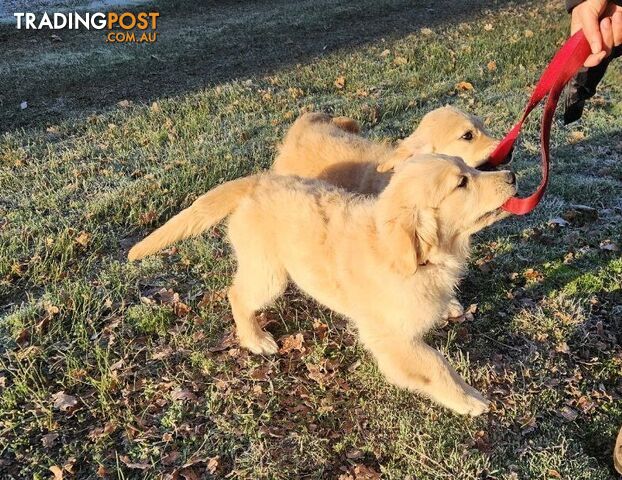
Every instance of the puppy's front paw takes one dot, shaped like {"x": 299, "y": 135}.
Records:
{"x": 471, "y": 403}
{"x": 261, "y": 343}
{"x": 454, "y": 309}
{"x": 477, "y": 406}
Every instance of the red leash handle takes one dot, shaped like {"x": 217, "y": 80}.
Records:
{"x": 565, "y": 64}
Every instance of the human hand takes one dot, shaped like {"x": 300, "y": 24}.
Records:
{"x": 601, "y": 22}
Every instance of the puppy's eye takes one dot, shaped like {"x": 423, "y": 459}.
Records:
{"x": 468, "y": 136}
{"x": 464, "y": 181}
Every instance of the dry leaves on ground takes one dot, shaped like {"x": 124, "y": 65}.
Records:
{"x": 64, "y": 402}
{"x": 340, "y": 82}
{"x": 464, "y": 86}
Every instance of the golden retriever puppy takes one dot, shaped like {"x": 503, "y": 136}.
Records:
{"x": 329, "y": 149}
{"x": 389, "y": 263}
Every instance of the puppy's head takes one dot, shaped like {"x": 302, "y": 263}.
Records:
{"x": 434, "y": 203}
{"x": 448, "y": 131}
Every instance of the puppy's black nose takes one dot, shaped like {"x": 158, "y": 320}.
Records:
{"x": 511, "y": 178}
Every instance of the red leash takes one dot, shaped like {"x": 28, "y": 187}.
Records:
{"x": 564, "y": 65}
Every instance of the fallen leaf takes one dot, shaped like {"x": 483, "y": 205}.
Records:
{"x": 171, "y": 457}
{"x": 400, "y": 61}
{"x": 355, "y": 454}
{"x": 340, "y": 82}
{"x": 213, "y": 297}
{"x": 553, "y": 473}
{"x": 295, "y": 92}
{"x": 213, "y": 464}
{"x": 183, "y": 394}
{"x": 64, "y": 402}
{"x": 492, "y": 66}
{"x": 292, "y": 342}
{"x": 482, "y": 442}
{"x": 316, "y": 374}
{"x": 147, "y": 217}
{"x": 426, "y": 31}
{"x": 568, "y": 414}
{"x": 320, "y": 329}
{"x": 49, "y": 439}
{"x": 102, "y": 471}
{"x": 528, "y": 33}
{"x": 189, "y": 473}
{"x": 488, "y": 27}
{"x": 117, "y": 365}
{"x": 162, "y": 352}
{"x": 261, "y": 373}
{"x": 576, "y": 136}
{"x": 464, "y": 86}
{"x": 181, "y": 309}
{"x": 83, "y": 239}
{"x": 69, "y": 466}
{"x": 385, "y": 53}
{"x": 533, "y": 275}
{"x": 363, "y": 472}
{"x": 226, "y": 342}
{"x": 134, "y": 465}
{"x": 124, "y": 103}
{"x": 57, "y": 471}
{"x": 585, "y": 404}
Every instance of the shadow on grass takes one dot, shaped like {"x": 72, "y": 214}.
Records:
{"x": 199, "y": 44}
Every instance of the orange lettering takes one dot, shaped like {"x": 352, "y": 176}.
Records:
{"x": 132, "y": 18}
{"x": 142, "y": 21}
{"x": 112, "y": 19}
{"x": 154, "y": 16}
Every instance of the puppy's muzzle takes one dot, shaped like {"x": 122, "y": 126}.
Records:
{"x": 487, "y": 167}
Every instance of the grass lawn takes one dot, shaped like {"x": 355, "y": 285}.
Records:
{"x": 130, "y": 370}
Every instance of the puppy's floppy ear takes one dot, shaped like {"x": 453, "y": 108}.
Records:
{"x": 413, "y": 145}
{"x": 407, "y": 238}
{"x": 417, "y": 142}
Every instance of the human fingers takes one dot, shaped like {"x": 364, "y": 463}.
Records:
{"x": 606, "y": 32}
{"x": 616, "y": 26}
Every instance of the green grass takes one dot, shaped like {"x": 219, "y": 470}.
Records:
{"x": 157, "y": 380}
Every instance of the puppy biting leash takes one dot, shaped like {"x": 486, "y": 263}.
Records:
{"x": 565, "y": 64}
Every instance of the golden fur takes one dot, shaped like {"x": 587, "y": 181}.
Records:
{"x": 329, "y": 149}
{"x": 389, "y": 263}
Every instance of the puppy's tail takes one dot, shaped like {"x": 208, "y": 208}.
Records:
{"x": 206, "y": 211}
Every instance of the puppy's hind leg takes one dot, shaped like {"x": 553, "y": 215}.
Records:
{"x": 257, "y": 283}
{"x": 418, "y": 367}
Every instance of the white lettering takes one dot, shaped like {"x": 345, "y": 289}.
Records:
{"x": 18, "y": 17}
{"x": 45, "y": 21}
{"x": 30, "y": 21}
{"x": 101, "y": 24}
{"x": 81, "y": 20}
{"x": 60, "y": 21}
